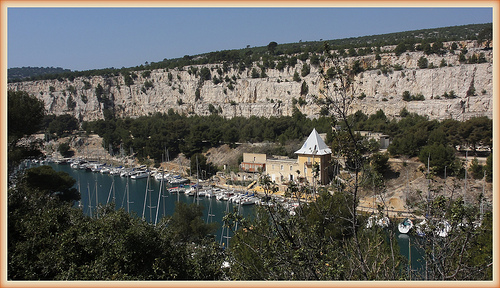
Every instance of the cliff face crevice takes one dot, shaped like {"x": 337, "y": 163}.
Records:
{"x": 380, "y": 86}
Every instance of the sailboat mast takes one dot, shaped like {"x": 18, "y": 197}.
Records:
{"x": 96, "y": 201}
{"x": 110, "y": 190}
{"x": 197, "y": 183}
{"x": 128, "y": 193}
{"x": 158, "y": 204}
{"x": 150, "y": 206}
{"x": 90, "y": 200}
{"x": 145, "y": 200}
{"x": 465, "y": 180}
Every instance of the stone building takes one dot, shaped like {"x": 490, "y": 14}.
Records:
{"x": 283, "y": 170}
{"x": 253, "y": 162}
{"x": 382, "y": 139}
{"x": 314, "y": 150}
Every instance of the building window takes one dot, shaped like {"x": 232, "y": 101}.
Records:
{"x": 291, "y": 168}
{"x": 273, "y": 167}
{"x": 282, "y": 168}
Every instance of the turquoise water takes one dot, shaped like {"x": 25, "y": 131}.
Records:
{"x": 106, "y": 188}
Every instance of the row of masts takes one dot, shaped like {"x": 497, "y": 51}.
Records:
{"x": 147, "y": 196}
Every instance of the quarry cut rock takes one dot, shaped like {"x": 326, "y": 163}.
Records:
{"x": 276, "y": 94}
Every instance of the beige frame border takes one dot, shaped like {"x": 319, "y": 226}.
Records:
{"x": 228, "y": 3}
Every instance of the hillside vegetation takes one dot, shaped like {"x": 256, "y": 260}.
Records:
{"x": 278, "y": 52}
{"x": 24, "y": 73}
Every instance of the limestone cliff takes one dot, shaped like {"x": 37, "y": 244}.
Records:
{"x": 239, "y": 94}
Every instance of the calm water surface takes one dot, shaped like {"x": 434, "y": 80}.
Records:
{"x": 105, "y": 188}
{"x": 143, "y": 202}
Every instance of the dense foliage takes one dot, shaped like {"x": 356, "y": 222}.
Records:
{"x": 60, "y": 126}
{"x": 411, "y": 134}
{"x": 49, "y": 239}
{"x": 152, "y": 135}
{"x": 415, "y": 135}
{"x": 24, "y": 113}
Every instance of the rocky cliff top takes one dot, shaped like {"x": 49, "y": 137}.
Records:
{"x": 234, "y": 92}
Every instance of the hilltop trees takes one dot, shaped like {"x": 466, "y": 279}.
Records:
{"x": 429, "y": 40}
{"x": 271, "y": 47}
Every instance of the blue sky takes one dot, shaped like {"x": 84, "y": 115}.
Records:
{"x": 94, "y": 38}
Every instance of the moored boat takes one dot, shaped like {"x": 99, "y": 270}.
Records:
{"x": 405, "y": 226}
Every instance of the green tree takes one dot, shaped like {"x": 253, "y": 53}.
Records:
{"x": 406, "y": 96}
{"x": 127, "y": 79}
{"x": 200, "y": 166}
{"x": 63, "y": 125}
{"x": 477, "y": 131}
{"x": 304, "y": 89}
{"x": 271, "y": 47}
{"x": 255, "y": 73}
{"x": 186, "y": 224}
{"x": 440, "y": 156}
{"x": 306, "y": 69}
{"x": 64, "y": 149}
{"x": 489, "y": 168}
{"x": 47, "y": 180}
{"x": 24, "y": 118}
{"x": 422, "y": 62}
{"x": 476, "y": 170}
{"x": 380, "y": 163}
{"x": 205, "y": 74}
{"x": 24, "y": 114}
{"x": 296, "y": 77}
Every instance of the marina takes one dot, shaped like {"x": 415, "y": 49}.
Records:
{"x": 142, "y": 197}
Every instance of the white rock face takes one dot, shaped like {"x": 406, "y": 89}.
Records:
{"x": 274, "y": 95}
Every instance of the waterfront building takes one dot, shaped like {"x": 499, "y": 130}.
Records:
{"x": 253, "y": 162}
{"x": 282, "y": 170}
{"x": 314, "y": 150}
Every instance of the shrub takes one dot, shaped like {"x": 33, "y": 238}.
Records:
{"x": 406, "y": 96}
{"x": 304, "y": 89}
{"x": 422, "y": 62}
{"x": 306, "y": 69}
{"x": 296, "y": 77}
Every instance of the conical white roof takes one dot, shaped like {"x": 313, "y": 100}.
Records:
{"x": 314, "y": 145}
